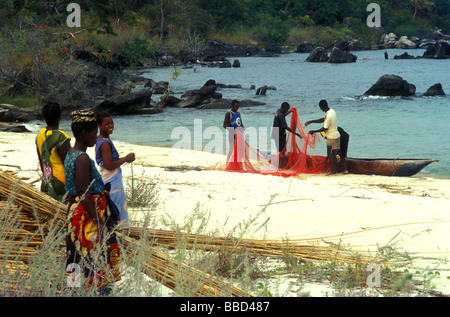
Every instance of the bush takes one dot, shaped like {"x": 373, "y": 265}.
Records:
{"x": 317, "y": 35}
{"x": 271, "y": 30}
{"x": 410, "y": 30}
{"x": 138, "y": 48}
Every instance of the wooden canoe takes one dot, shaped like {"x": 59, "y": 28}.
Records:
{"x": 387, "y": 167}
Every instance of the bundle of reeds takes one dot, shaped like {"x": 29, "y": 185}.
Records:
{"x": 309, "y": 250}
{"x": 48, "y": 212}
{"x": 168, "y": 272}
{"x": 34, "y": 202}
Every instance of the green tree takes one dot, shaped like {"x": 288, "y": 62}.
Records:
{"x": 422, "y": 7}
{"x": 323, "y": 12}
{"x": 271, "y": 30}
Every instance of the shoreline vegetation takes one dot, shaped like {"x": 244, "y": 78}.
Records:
{"x": 42, "y": 59}
{"x": 206, "y": 229}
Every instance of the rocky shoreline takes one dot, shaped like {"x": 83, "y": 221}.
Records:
{"x": 116, "y": 87}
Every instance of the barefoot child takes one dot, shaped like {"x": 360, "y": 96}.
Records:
{"x": 110, "y": 162}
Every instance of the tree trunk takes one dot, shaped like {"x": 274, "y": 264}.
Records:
{"x": 162, "y": 19}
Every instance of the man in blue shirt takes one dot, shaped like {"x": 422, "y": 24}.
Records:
{"x": 233, "y": 123}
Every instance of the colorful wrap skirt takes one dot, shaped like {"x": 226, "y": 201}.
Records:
{"x": 84, "y": 244}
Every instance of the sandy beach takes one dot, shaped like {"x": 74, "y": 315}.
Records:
{"x": 358, "y": 211}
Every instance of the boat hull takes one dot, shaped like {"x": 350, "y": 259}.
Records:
{"x": 387, "y": 167}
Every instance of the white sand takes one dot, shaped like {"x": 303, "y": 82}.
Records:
{"x": 358, "y": 211}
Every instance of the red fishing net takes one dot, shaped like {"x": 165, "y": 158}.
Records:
{"x": 291, "y": 161}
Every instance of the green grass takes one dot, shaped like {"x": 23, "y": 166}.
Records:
{"x": 21, "y": 101}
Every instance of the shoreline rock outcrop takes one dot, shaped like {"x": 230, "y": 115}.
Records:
{"x": 440, "y": 50}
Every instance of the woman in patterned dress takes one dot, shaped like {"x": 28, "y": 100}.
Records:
{"x": 91, "y": 241}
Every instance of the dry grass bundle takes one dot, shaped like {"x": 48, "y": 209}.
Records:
{"x": 277, "y": 248}
{"x": 169, "y": 273}
{"x": 40, "y": 210}
{"x": 34, "y": 202}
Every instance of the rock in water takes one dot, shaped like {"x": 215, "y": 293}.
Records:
{"x": 440, "y": 50}
{"x": 405, "y": 55}
{"x": 339, "y": 56}
{"x": 391, "y": 85}
{"x": 127, "y": 104}
{"x": 435, "y": 90}
{"x": 319, "y": 54}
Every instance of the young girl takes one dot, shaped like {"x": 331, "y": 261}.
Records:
{"x": 110, "y": 163}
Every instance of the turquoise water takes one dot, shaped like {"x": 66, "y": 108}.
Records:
{"x": 379, "y": 127}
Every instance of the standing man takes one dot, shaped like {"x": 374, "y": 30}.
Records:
{"x": 279, "y": 134}
{"x": 233, "y": 124}
{"x": 331, "y": 134}
{"x": 280, "y": 127}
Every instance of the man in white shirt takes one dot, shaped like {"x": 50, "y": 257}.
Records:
{"x": 332, "y": 135}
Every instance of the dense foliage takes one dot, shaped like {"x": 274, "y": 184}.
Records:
{"x": 37, "y": 45}
{"x": 269, "y": 21}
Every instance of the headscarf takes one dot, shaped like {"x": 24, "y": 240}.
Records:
{"x": 82, "y": 116}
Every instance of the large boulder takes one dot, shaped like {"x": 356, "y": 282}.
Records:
{"x": 193, "y": 98}
{"x": 319, "y": 54}
{"x": 12, "y": 113}
{"x": 405, "y": 43}
{"x": 205, "y": 98}
{"x": 391, "y": 85}
{"x": 389, "y": 40}
{"x": 305, "y": 47}
{"x": 13, "y": 127}
{"x": 128, "y": 104}
{"x": 168, "y": 101}
{"x": 439, "y": 50}
{"x": 158, "y": 88}
{"x": 339, "y": 56}
{"x": 435, "y": 90}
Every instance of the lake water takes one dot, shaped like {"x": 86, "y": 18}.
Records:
{"x": 379, "y": 127}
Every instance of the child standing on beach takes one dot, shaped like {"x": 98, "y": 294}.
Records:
{"x": 109, "y": 161}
